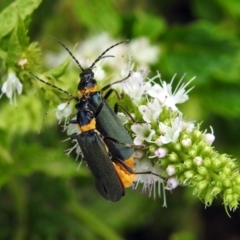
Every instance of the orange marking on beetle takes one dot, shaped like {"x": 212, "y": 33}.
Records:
{"x": 88, "y": 127}
{"x": 87, "y": 90}
{"x": 126, "y": 177}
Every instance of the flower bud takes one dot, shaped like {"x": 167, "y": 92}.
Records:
{"x": 216, "y": 190}
{"x": 207, "y": 162}
{"x": 202, "y": 185}
{"x": 216, "y": 164}
{"x": 161, "y": 152}
{"x": 177, "y": 146}
{"x": 208, "y": 198}
{"x": 171, "y": 170}
{"x": 173, "y": 157}
{"x": 192, "y": 153}
{"x": 189, "y": 174}
{"x": 198, "y": 161}
{"x": 138, "y": 154}
{"x": 196, "y": 133}
{"x": 202, "y": 170}
{"x": 187, "y": 142}
{"x": 209, "y": 138}
{"x": 172, "y": 183}
{"x": 187, "y": 164}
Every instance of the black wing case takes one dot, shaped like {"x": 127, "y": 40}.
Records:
{"x": 96, "y": 155}
{"x": 109, "y": 125}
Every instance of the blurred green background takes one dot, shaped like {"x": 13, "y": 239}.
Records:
{"x": 44, "y": 196}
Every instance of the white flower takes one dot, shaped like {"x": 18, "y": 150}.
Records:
{"x": 72, "y": 128}
{"x": 127, "y": 67}
{"x": 11, "y": 86}
{"x": 142, "y": 52}
{"x": 123, "y": 118}
{"x": 75, "y": 146}
{"x": 143, "y": 132}
{"x": 209, "y": 137}
{"x": 138, "y": 154}
{"x": 135, "y": 86}
{"x": 171, "y": 170}
{"x": 171, "y": 134}
{"x": 188, "y": 126}
{"x": 151, "y": 182}
{"x": 99, "y": 73}
{"x": 161, "y": 152}
{"x": 64, "y": 110}
{"x": 163, "y": 92}
{"x": 171, "y": 183}
{"x": 91, "y": 48}
{"x": 151, "y": 111}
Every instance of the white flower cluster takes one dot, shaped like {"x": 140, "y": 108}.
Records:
{"x": 151, "y": 97}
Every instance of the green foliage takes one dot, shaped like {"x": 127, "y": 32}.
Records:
{"x": 148, "y": 25}
{"x": 103, "y": 13}
{"x": 9, "y": 18}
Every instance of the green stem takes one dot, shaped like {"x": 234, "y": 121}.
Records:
{"x": 91, "y": 221}
{"x": 18, "y": 193}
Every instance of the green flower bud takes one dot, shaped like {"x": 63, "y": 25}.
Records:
{"x": 173, "y": 157}
{"x": 216, "y": 164}
{"x": 164, "y": 162}
{"x": 192, "y": 153}
{"x": 187, "y": 164}
{"x": 198, "y": 177}
{"x": 202, "y": 170}
{"x": 196, "y": 134}
{"x": 206, "y": 150}
{"x": 228, "y": 198}
{"x": 207, "y": 162}
{"x": 202, "y": 185}
{"x": 231, "y": 164}
{"x": 179, "y": 167}
{"x": 208, "y": 198}
{"x": 227, "y": 182}
{"x": 177, "y": 146}
{"x": 237, "y": 180}
{"x": 189, "y": 174}
{"x": 216, "y": 190}
{"x": 182, "y": 179}
{"x": 227, "y": 171}
{"x": 152, "y": 148}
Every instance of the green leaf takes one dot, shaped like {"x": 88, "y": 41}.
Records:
{"x": 202, "y": 50}
{"x": 148, "y": 25}
{"x": 224, "y": 101}
{"x": 232, "y": 7}
{"x": 22, "y": 34}
{"x": 9, "y": 16}
{"x": 18, "y": 44}
{"x": 98, "y": 15}
{"x": 14, "y": 49}
{"x": 59, "y": 70}
{"x": 208, "y": 10}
